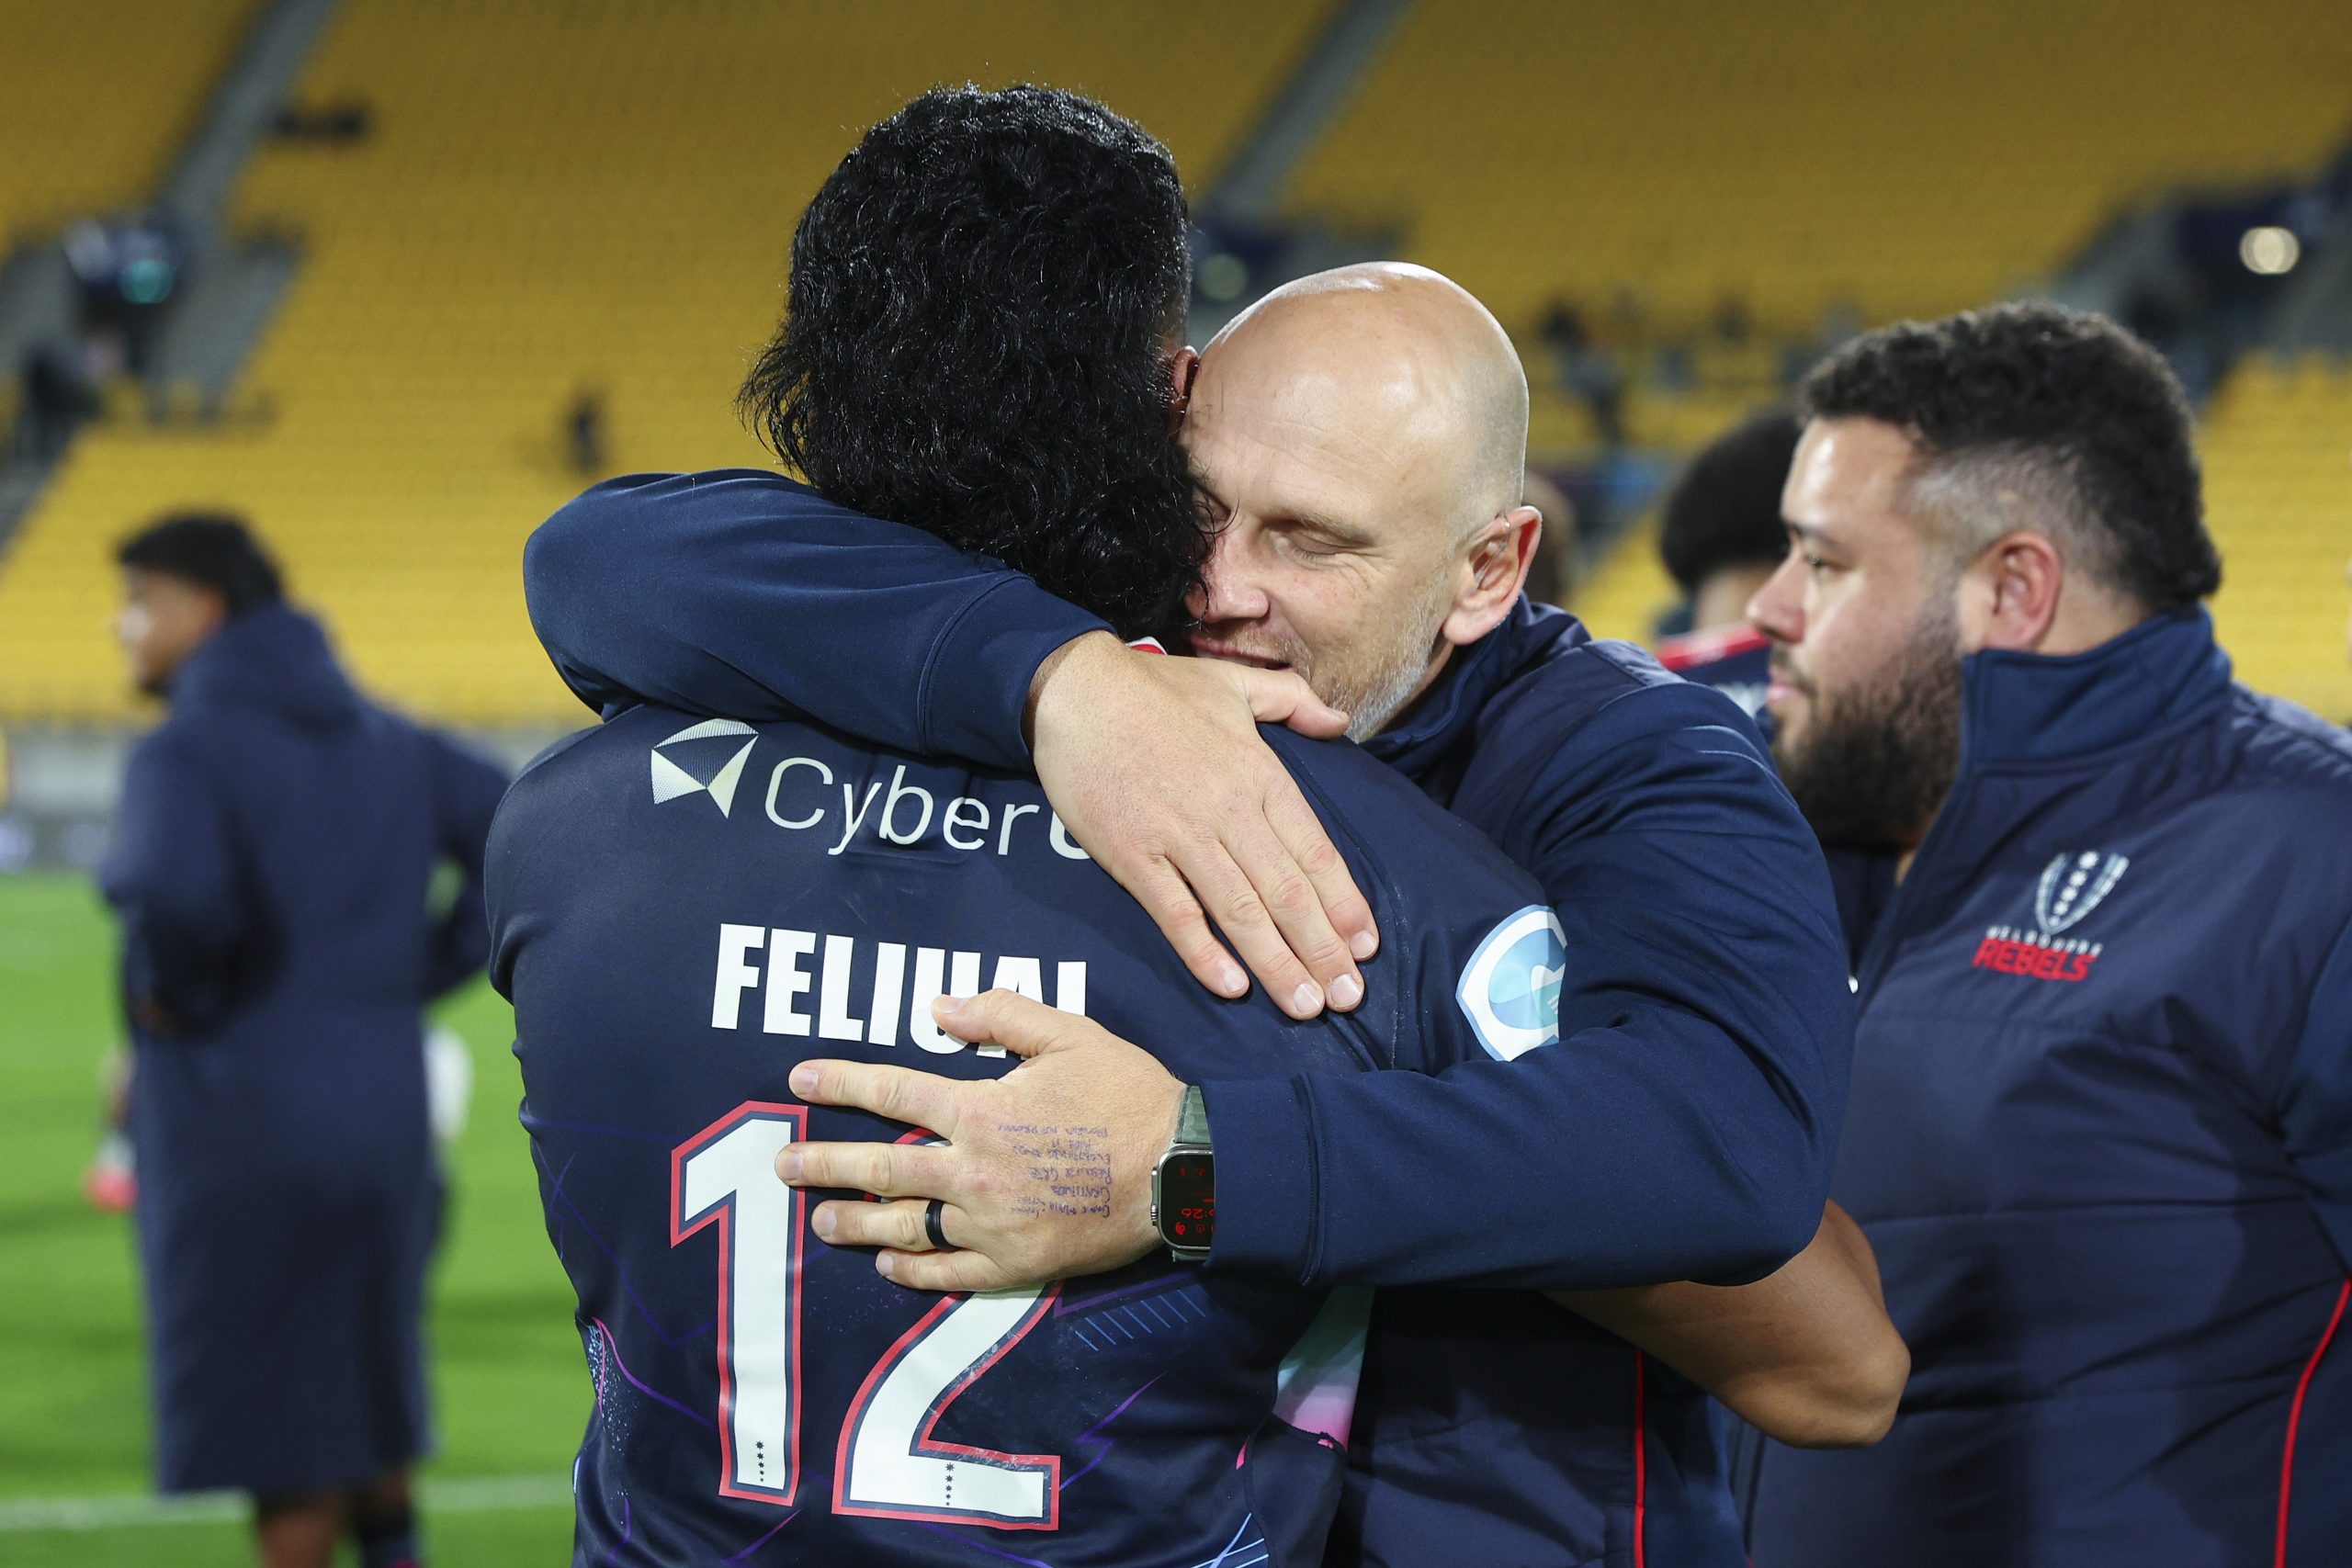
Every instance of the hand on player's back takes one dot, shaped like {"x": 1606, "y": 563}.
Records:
{"x": 1045, "y": 1172}
{"x": 1157, "y": 767}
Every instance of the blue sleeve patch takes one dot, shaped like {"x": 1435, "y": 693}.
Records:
{"x": 1511, "y": 992}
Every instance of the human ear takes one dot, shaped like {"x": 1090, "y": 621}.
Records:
{"x": 2015, "y": 590}
{"x": 1500, "y": 555}
{"x": 1182, "y": 367}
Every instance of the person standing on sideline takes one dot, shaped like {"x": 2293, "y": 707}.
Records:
{"x": 271, "y": 869}
{"x": 2099, "y": 903}
{"x": 1720, "y": 537}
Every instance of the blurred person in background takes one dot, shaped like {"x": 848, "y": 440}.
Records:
{"x": 272, "y": 866}
{"x": 585, "y": 449}
{"x": 1720, "y": 535}
{"x": 1552, "y": 573}
{"x": 2099, "y": 903}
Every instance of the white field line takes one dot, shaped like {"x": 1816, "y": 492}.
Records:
{"x": 126, "y": 1510}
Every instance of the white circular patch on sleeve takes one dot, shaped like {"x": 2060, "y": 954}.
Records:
{"x": 1511, "y": 992}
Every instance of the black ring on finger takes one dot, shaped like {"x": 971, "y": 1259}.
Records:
{"x": 931, "y": 1223}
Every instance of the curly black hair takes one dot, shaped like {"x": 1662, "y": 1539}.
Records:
{"x": 211, "y": 549}
{"x": 2056, "y": 413}
{"x": 1725, "y": 510}
{"x": 975, "y": 343}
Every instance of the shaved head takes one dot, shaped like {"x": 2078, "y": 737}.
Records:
{"x": 1407, "y": 357}
{"x": 1360, "y": 437}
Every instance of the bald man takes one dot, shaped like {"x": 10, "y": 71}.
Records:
{"x": 1359, "y": 437}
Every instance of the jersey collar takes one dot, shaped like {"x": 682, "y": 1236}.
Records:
{"x": 1443, "y": 717}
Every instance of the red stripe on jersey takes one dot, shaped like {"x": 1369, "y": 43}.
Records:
{"x": 2295, "y": 1420}
{"x": 1641, "y": 1462}
{"x": 1680, "y": 653}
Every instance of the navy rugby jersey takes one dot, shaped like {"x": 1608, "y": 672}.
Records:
{"x": 1683, "y": 1128}
{"x": 2101, "y": 1136}
{"x": 1735, "y": 660}
{"x": 684, "y": 909}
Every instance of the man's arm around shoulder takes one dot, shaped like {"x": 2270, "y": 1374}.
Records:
{"x": 1683, "y": 1124}
{"x": 742, "y": 595}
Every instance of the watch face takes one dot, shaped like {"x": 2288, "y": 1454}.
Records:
{"x": 1188, "y": 1200}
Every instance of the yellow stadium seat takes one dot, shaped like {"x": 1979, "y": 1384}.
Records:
{"x": 558, "y": 196}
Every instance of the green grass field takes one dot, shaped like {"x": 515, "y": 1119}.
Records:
{"x": 510, "y": 1389}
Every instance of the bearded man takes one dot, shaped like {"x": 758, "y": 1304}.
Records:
{"x": 2099, "y": 904}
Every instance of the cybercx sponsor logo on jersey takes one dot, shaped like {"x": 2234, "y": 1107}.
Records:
{"x": 2072, "y": 885}
{"x": 710, "y": 759}
{"x": 1511, "y": 990}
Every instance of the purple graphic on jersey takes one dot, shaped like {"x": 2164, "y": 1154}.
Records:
{"x": 628, "y": 1529}
{"x": 1157, "y": 1284}
{"x": 1104, "y": 1445}
{"x": 529, "y": 1121}
{"x": 555, "y": 1189}
{"x": 612, "y": 1351}
{"x": 763, "y": 1540}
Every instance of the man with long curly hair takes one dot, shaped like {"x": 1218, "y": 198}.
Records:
{"x": 685, "y": 912}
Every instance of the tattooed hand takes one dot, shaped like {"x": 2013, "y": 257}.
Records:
{"x": 1045, "y": 1173}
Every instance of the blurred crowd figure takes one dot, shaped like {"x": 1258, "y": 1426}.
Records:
{"x": 1602, "y": 359}
{"x": 274, "y": 851}
{"x": 1721, "y": 536}
{"x": 1552, "y": 575}
{"x": 1590, "y": 370}
{"x": 64, "y": 382}
{"x": 585, "y": 446}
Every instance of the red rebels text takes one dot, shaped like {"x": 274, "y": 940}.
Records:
{"x": 2070, "y": 963}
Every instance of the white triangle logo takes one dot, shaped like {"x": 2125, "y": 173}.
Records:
{"x": 671, "y": 781}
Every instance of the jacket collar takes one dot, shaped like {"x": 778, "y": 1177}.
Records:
{"x": 276, "y": 659}
{"x": 1433, "y": 727}
{"x": 2029, "y": 707}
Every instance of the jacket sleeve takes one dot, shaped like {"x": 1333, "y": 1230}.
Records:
{"x": 2315, "y": 1106}
{"x": 173, "y": 878}
{"x": 466, "y": 792}
{"x": 741, "y": 594}
{"x": 1683, "y": 1125}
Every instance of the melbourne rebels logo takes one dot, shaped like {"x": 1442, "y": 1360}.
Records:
{"x": 2072, "y": 885}
{"x": 1511, "y": 992}
{"x": 697, "y": 760}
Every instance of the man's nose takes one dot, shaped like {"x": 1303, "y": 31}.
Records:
{"x": 1778, "y": 607}
{"x": 1228, "y": 590}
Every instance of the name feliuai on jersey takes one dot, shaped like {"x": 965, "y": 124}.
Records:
{"x": 816, "y": 985}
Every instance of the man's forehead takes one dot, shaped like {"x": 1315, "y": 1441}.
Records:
{"x": 1282, "y": 468}
{"x": 1297, "y": 425}
{"x": 1847, "y": 471}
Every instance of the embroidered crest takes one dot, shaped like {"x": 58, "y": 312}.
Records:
{"x": 2072, "y": 886}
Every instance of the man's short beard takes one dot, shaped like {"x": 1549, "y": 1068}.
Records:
{"x": 1374, "y": 698}
{"x": 1873, "y": 767}
{"x": 1383, "y": 695}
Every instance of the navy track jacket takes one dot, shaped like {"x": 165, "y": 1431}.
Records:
{"x": 2101, "y": 1135}
{"x": 1683, "y": 1128}
{"x": 273, "y": 853}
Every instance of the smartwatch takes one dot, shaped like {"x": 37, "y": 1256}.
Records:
{"x": 1184, "y": 1185}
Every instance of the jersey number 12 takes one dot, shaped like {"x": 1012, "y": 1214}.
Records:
{"x": 889, "y": 1464}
